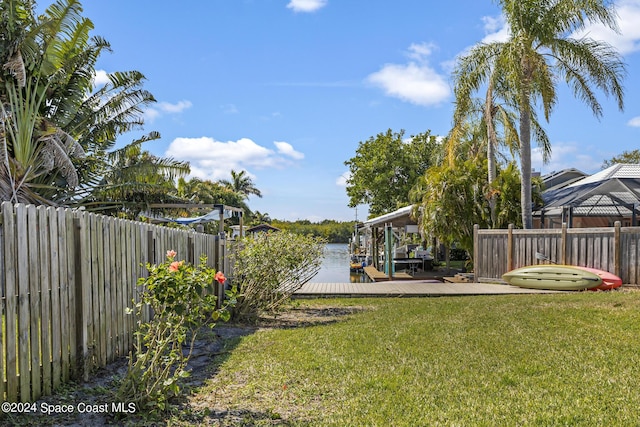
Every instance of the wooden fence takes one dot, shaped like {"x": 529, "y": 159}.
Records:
{"x": 614, "y": 249}
{"x": 67, "y": 282}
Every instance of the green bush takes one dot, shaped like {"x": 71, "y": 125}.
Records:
{"x": 182, "y": 299}
{"x": 269, "y": 267}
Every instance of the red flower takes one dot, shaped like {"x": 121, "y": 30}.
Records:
{"x": 175, "y": 265}
{"x": 220, "y": 277}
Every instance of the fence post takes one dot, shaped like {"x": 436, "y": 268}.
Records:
{"x": 510, "y": 247}
{"x": 563, "y": 244}
{"x": 476, "y": 250}
{"x": 617, "y": 244}
{"x": 10, "y": 295}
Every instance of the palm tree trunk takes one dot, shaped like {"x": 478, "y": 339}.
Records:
{"x": 491, "y": 151}
{"x": 525, "y": 164}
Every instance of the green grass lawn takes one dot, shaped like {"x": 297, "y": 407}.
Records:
{"x": 470, "y": 361}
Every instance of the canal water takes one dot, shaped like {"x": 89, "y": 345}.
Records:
{"x": 335, "y": 266}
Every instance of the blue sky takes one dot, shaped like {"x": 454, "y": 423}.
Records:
{"x": 285, "y": 89}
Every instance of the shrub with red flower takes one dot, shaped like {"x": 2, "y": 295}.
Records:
{"x": 182, "y": 299}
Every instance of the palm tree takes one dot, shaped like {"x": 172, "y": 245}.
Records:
{"x": 49, "y": 67}
{"x": 197, "y": 190}
{"x": 241, "y": 183}
{"x": 539, "y": 53}
{"x": 31, "y": 147}
{"x": 261, "y": 218}
{"x": 135, "y": 179}
{"x": 496, "y": 114}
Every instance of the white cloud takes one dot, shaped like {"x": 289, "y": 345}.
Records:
{"x": 306, "y": 5}
{"x": 150, "y": 115}
{"x": 566, "y": 155}
{"x": 415, "y": 82}
{"x": 628, "y": 40}
{"x": 211, "y": 159}
{"x": 163, "y": 108}
{"x": 101, "y": 78}
{"x": 496, "y": 29}
{"x": 634, "y": 122}
{"x": 229, "y": 109}
{"x": 420, "y": 51}
{"x": 179, "y": 107}
{"x": 288, "y": 150}
{"x": 341, "y": 181}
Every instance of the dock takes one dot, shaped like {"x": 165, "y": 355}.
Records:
{"x": 409, "y": 288}
{"x": 379, "y": 276}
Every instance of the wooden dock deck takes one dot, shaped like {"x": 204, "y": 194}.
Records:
{"x": 409, "y": 288}
{"x": 379, "y": 276}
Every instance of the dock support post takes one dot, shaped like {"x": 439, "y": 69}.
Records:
{"x": 388, "y": 250}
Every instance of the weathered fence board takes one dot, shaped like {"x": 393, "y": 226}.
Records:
{"x": 613, "y": 249}
{"x": 67, "y": 279}
{"x": 22, "y": 258}
{"x": 56, "y": 305}
{"x": 11, "y": 317}
{"x": 35, "y": 316}
{"x": 45, "y": 296}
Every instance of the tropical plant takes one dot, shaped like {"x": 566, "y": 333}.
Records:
{"x": 48, "y": 74}
{"x": 453, "y": 197}
{"x": 450, "y": 200}
{"x": 182, "y": 299}
{"x": 260, "y": 218}
{"x": 496, "y": 116}
{"x": 35, "y": 154}
{"x": 540, "y": 52}
{"x": 197, "y": 190}
{"x": 242, "y": 184}
{"x": 135, "y": 179}
{"x": 269, "y": 268}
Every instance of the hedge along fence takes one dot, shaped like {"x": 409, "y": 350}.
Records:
{"x": 615, "y": 249}
{"x": 67, "y": 280}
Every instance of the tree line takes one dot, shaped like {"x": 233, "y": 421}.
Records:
{"x": 329, "y": 230}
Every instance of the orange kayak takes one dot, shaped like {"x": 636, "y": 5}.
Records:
{"x": 609, "y": 280}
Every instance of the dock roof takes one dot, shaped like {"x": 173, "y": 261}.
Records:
{"x": 398, "y": 218}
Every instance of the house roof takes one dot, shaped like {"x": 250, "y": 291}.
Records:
{"x": 261, "y": 227}
{"x": 619, "y": 171}
{"x": 614, "y": 191}
{"x": 557, "y": 180}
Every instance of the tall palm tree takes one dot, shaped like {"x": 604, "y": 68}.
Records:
{"x": 197, "y": 190}
{"x": 496, "y": 113}
{"x": 540, "y": 52}
{"x": 241, "y": 183}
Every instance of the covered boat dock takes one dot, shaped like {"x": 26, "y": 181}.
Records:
{"x": 391, "y": 229}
